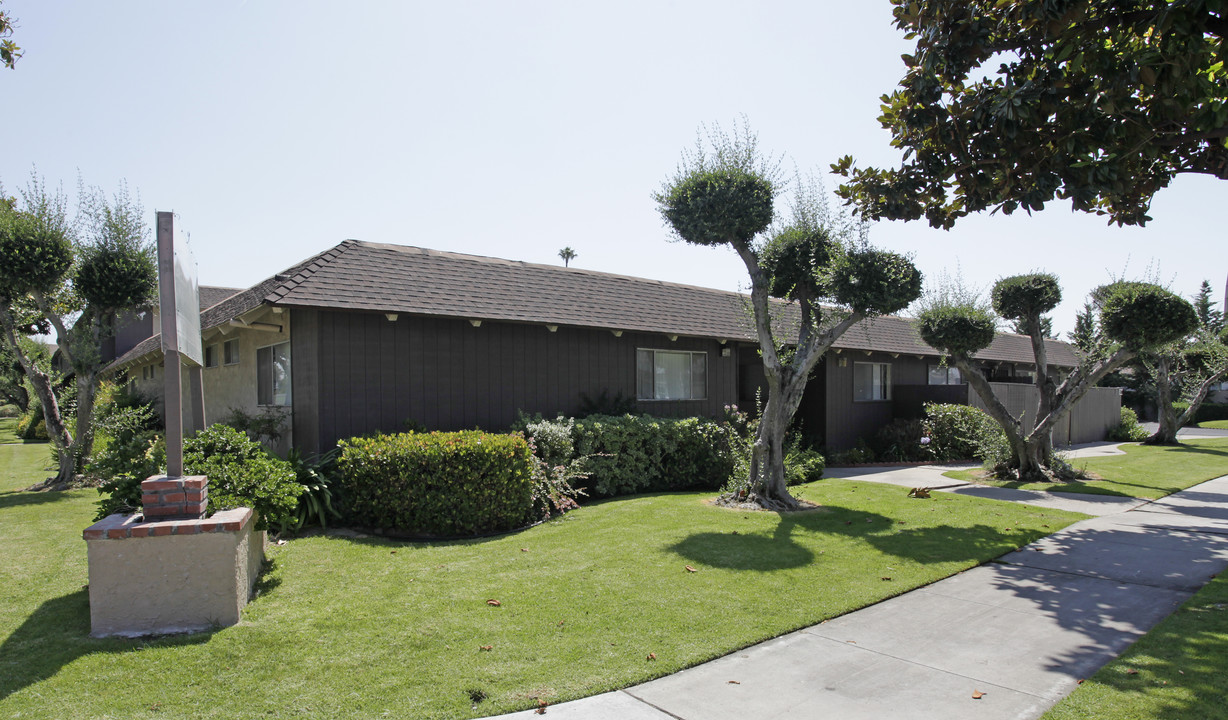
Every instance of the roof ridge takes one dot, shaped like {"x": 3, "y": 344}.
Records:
{"x": 554, "y": 268}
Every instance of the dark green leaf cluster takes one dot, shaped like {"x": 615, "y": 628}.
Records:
{"x": 792, "y": 258}
{"x": 873, "y": 282}
{"x": 961, "y": 432}
{"x": 1020, "y": 297}
{"x": 1009, "y": 104}
{"x": 111, "y": 277}
{"x": 640, "y": 453}
{"x": 959, "y": 329}
{"x": 443, "y": 484}
{"x": 34, "y": 257}
{"x": 1142, "y": 316}
{"x": 720, "y": 206}
{"x": 243, "y": 474}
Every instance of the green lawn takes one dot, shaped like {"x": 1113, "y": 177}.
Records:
{"x": 1145, "y": 471}
{"x": 8, "y": 428}
{"x": 1175, "y": 672}
{"x": 367, "y": 627}
{"x": 1214, "y": 424}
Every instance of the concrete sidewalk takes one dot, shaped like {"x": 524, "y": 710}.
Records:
{"x": 1021, "y": 630}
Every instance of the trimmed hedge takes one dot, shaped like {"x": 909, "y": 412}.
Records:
{"x": 631, "y": 454}
{"x": 1209, "y": 412}
{"x": 447, "y": 484}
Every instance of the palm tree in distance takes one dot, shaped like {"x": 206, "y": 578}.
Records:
{"x": 568, "y": 255}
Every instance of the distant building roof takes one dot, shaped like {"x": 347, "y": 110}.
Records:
{"x": 395, "y": 278}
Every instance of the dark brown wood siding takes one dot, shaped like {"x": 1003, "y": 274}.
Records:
{"x": 305, "y": 378}
{"x": 849, "y": 420}
{"x": 374, "y": 374}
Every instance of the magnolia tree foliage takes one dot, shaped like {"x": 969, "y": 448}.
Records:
{"x": 70, "y": 278}
{"x": 1009, "y": 104}
{"x": 724, "y": 193}
{"x": 9, "y": 52}
{"x": 1135, "y": 317}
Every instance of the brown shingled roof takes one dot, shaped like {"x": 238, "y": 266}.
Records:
{"x": 395, "y": 278}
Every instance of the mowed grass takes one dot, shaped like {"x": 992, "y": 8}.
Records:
{"x": 1214, "y": 424}
{"x": 1175, "y": 672}
{"x": 362, "y": 627}
{"x": 1144, "y": 471}
{"x": 8, "y": 431}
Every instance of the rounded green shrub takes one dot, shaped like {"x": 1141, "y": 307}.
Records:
{"x": 243, "y": 474}
{"x": 444, "y": 484}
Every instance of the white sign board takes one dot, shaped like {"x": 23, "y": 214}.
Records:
{"x": 185, "y": 293}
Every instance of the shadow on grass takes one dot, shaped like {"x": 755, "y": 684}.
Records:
{"x": 58, "y": 633}
{"x": 19, "y": 498}
{"x": 780, "y": 550}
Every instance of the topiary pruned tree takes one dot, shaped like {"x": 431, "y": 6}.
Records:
{"x": 49, "y": 273}
{"x": 724, "y": 193}
{"x": 1134, "y": 316}
{"x": 1189, "y": 368}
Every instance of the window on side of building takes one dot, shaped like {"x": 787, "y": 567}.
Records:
{"x": 230, "y": 352}
{"x": 871, "y": 381}
{"x": 211, "y": 356}
{"x": 945, "y": 375}
{"x": 273, "y": 375}
{"x": 671, "y": 375}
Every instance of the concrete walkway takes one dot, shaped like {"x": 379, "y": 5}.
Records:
{"x": 1021, "y": 630}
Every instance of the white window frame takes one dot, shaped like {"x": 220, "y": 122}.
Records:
{"x": 640, "y": 392}
{"x": 884, "y": 382}
{"x": 238, "y": 352}
{"x": 289, "y": 394}
{"x": 929, "y": 376}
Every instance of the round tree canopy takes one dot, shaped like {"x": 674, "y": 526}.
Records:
{"x": 961, "y": 330}
{"x": 1023, "y": 296}
{"x": 1142, "y": 316}
{"x": 792, "y": 259}
{"x": 116, "y": 276}
{"x": 32, "y": 257}
{"x": 874, "y": 282}
{"x": 718, "y": 207}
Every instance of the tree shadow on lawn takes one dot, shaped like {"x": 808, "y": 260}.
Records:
{"x": 778, "y": 551}
{"x": 1109, "y": 585}
{"x": 58, "y": 633}
{"x": 18, "y": 498}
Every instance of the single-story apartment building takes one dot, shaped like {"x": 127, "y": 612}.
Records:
{"x": 366, "y": 337}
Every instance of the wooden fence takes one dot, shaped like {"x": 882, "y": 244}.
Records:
{"x": 1088, "y": 421}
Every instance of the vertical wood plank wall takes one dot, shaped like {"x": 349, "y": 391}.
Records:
{"x": 1088, "y": 421}
{"x": 357, "y": 373}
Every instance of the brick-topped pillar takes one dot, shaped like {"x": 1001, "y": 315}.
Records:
{"x": 168, "y": 498}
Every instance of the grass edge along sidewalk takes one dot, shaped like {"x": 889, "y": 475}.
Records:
{"x": 1144, "y": 471}
{"x": 600, "y": 599}
{"x": 1174, "y": 672}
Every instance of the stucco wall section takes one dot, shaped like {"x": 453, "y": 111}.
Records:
{"x": 171, "y": 576}
{"x": 226, "y": 387}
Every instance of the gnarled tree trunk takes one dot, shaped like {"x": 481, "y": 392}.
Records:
{"x": 57, "y": 430}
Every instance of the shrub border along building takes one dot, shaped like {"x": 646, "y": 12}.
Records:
{"x": 437, "y": 484}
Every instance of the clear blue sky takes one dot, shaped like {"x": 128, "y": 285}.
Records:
{"x": 511, "y": 129}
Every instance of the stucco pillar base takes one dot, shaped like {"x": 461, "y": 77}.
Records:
{"x": 171, "y": 576}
